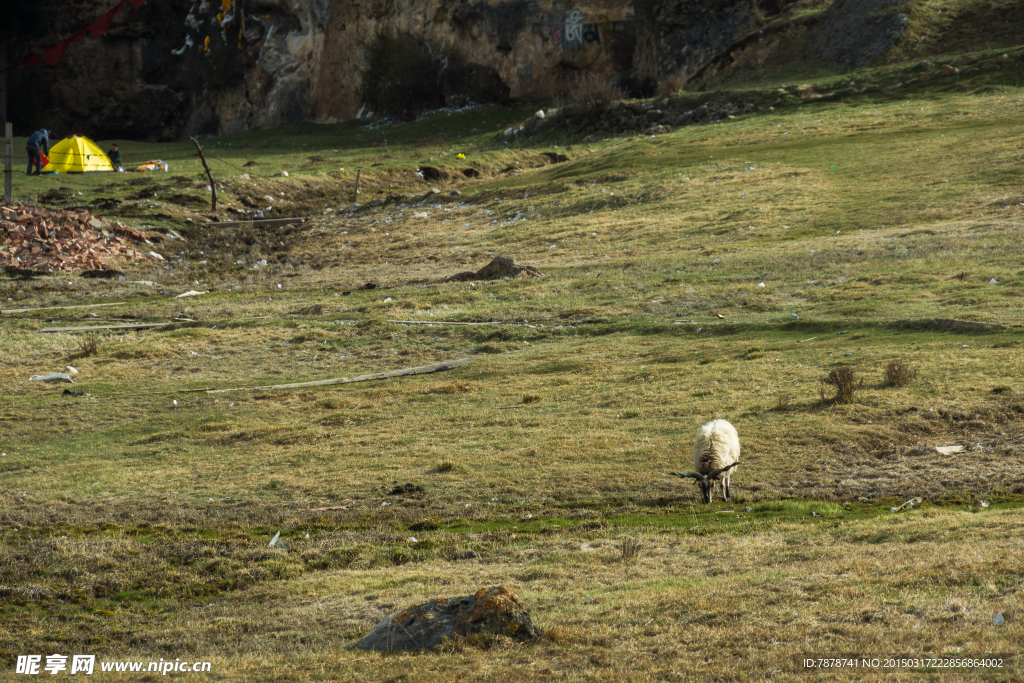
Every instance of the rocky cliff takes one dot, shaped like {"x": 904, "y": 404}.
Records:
{"x": 182, "y": 67}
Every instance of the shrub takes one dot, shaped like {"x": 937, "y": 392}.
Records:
{"x": 844, "y": 380}
{"x": 89, "y": 346}
{"x": 592, "y": 94}
{"x": 899, "y": 375}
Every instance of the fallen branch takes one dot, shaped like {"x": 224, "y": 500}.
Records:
{"x": 422, "y": 370}
{"x": 8, "y": 311}
{"x": 90, "y": 328}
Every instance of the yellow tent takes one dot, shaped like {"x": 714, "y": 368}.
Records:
{"x": 77, "y": 155}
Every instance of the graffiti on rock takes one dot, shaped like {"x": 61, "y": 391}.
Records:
{"x": 578, "y": 34}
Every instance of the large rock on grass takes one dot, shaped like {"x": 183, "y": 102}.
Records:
{"x": 495, "y": 611}
{"x": 498, "y": 269}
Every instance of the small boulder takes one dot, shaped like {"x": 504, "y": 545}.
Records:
{"x": 496, "y": 611}
{"x": 949, "y": 70}
{"x": 499, "y": 268}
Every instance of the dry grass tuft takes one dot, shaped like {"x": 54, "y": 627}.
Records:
{"x": 630, "y": 548}
{"x": 899, "y": 375}
{"x": 591, "y": 93}
{"x": 89, "y": 346}
{"x": 783, "y": 402}
{"x": 845, "y": 382}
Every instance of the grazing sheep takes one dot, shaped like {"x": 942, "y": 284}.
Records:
{"x": 715, "y": 452}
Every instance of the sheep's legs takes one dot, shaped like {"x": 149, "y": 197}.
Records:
{"x": 725, "y": 487}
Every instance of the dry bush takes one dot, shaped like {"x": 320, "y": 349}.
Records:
{"x": 89, "y": 346}
{"x": 591, "y": 93}
{"x": 899, "y": 375}
{"x": 630, "y": 548}
{"x": 672, "y": 85}
{"x": 844, "y": 380}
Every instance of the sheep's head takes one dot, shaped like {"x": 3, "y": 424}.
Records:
{"x": 706, "y": 482}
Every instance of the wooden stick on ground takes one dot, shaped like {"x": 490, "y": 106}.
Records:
{"x": 422, "y": 370}
{"x": 8, "y": 311}
{"x": 213, "y": 185}
{"x": 92, "y": 328}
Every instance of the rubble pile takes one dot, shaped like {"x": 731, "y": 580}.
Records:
{"x": 44, "y": 240}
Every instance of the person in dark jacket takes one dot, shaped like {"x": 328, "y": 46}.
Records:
{"x": 37, "y": 142}
{"x": 115, "y": 156}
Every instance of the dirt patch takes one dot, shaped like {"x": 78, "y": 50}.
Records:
{"x": 433, "y": 175}
{"x": 56, "y": 195}
{"x": 406, "y": 490}
{"x": 555, "y": 157}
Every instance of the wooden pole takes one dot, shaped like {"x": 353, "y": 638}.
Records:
{"x": 424, "y": 369}
{"x": 355, "y": 193}
{"x": 213, "y": 185}
{"x": 8, "y": 163}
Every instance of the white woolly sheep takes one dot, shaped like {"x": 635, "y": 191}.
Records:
{"x": 716, "y": 451}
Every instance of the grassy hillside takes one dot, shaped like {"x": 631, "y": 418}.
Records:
{"x": 717, "y": 271}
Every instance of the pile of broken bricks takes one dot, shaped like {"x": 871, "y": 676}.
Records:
{"x": 45, "y": 240}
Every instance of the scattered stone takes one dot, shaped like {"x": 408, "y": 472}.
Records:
{"x": 281, "y": 174}
{"x": 949, "y": 70}
{"x": 496, "y": 611}
{"x": 555, "y": 157}
{"x": 907, "y": 505}
{"x": 498, "y": 269}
